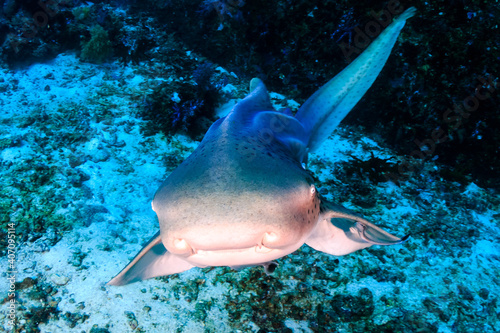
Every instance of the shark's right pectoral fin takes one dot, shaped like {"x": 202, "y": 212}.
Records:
{"x": 152, "y": 261}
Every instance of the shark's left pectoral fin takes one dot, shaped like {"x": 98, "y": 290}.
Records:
{"x": 152, "y": 261}
{"x": 341, "y": 232}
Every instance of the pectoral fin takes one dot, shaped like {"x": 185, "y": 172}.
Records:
{"x": 341, "y": 232}
{"x": 152, "y": 261}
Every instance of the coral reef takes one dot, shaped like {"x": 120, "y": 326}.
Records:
{"x": 375, "y": 169}
{"x": 183, "y": 106}
{"x": 98, "y": 49}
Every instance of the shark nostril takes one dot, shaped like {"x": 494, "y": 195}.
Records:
{"x": 269, "y": 238}
{"x": 181, "y": 246}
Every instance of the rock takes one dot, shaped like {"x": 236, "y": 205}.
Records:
{"x": 59, "y": 279}
{"x": 353, "y": 308}
{"x": 75, "y": 160}
{"x": 101, "y": 156}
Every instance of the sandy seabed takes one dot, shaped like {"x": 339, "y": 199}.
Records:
{"x": 77, "y": 179}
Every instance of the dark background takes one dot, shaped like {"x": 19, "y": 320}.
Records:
{"x": 447, "y": 53}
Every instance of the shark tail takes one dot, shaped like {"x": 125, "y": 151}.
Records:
{"x": 325, "y": 109}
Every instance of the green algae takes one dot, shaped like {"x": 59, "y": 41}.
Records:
{"x": 99, "y": 48}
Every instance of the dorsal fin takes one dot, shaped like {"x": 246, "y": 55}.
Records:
{"x": 286, "y": 129}
{"x": 256, "y": 101}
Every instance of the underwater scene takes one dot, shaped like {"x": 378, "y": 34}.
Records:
{"x": 249, "y": 166}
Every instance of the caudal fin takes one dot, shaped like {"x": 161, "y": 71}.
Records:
{"x": 326, "y": 108}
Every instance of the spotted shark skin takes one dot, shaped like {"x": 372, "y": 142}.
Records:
{"x": 244, "y": 198}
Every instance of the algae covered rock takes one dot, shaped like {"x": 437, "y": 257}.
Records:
{"x": 98, "y": 49}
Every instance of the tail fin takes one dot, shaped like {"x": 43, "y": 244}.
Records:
{"x": 326, "y": 108}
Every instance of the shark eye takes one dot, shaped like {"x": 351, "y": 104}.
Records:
{"x": 313, "y": 189}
